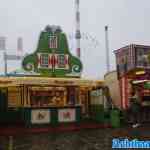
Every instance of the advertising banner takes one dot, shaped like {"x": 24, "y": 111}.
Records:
{"x": 40, "y": 116}
{"x": 66, "y": 115}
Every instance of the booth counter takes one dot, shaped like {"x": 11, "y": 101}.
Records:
{"x": 51, "y": 115}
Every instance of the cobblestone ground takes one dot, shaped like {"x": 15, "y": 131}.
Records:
{"x": 95, "y": 139}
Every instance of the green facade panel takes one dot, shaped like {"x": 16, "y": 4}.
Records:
{"x": 54, "y": 116}
{"x": 97, "y": 113}
{"x": 78, "y": 114}
{"x": 115, "y": 118}
{"x": 27, "y": 116}
{"x": 60, "y": 62}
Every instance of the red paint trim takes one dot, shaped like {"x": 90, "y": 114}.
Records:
{"x": 40, "y": 59}
{"x": 126, "y": 92}
{"x": 20, "y": 130}
{"x": 56, "y": 59}
{"x": 66, "y": 59}
{"x": 53, "y": 60}
{"x": 49, "y": 60}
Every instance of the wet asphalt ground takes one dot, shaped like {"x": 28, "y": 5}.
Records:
{"x": 93, "y": 139}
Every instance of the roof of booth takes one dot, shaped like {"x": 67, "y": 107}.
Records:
{"x": 43, "y": 81}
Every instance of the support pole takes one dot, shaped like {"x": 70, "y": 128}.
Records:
{"x": 78, "y": 34}
{"x": 5, "y": 62}
{"x": 10, "y": 144}
{"x": 107, "y": 49}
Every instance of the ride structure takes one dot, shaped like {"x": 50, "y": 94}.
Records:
{"x": 50, "y": 89}
{"x": 133, "y": 68}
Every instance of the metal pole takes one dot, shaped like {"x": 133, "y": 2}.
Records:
{"x": 10, "y": 145}
{"x": 107, "y": 49}
{"x": 20, "y": 46}
{"x": 3, "y": 47}
{"x": 5, "y": 62}
{"x": 78, "y": 34}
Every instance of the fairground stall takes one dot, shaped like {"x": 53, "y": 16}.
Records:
{"x": 133, "y": 67}
{"x": 50, "y": 90}
{"x": 48, "y": 100}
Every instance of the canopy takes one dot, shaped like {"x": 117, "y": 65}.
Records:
{"x": 45, "y": 81}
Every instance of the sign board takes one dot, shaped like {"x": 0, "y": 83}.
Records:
{"x": 96, "y": 92}
{"x": 147, "y": 85}
{"x": 40, "y": 116}
{"x": 66, "y": 115}
{"x": 97, "y": 97}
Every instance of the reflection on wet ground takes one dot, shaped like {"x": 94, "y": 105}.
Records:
{"x": 96, "y": 139}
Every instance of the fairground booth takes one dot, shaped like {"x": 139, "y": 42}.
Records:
{"x": 50, "y": 89}
{"x": 133, "y": 67}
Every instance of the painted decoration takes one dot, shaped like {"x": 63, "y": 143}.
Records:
{"x": 40, "y": 116}
{"x": 66, "y": 115}
{"x": 52, "y": 57}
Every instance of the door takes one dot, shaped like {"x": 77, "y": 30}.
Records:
{"x": 3, "y": 99}
{"x": 72, "y": 95}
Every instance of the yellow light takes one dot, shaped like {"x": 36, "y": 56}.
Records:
{"x": 140, "y": 72}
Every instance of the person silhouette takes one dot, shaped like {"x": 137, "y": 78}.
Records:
{"x": 135, "y": 109}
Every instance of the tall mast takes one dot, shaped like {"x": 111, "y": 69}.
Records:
{"x": 19, "y": 46}
{"x": 3, "y": 47}
{"x": 107, "y": 49}
{"x": 78, "y": 34}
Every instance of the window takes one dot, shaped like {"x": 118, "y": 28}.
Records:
{"x": 61, "y": 61}
{"x": 55, "y": 61}
{"x": 53, "y": 42}
{"x": 44, "y": 60}
{"x": 49, "y": 96}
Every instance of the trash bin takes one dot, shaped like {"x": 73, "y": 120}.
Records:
{"x": 99, "y": 113}
{"x": 115, "y": 118}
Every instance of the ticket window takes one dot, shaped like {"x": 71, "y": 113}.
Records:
{"x": 52, "y": 97}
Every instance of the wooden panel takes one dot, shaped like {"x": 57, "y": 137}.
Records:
{"x": 14, "y": 96}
